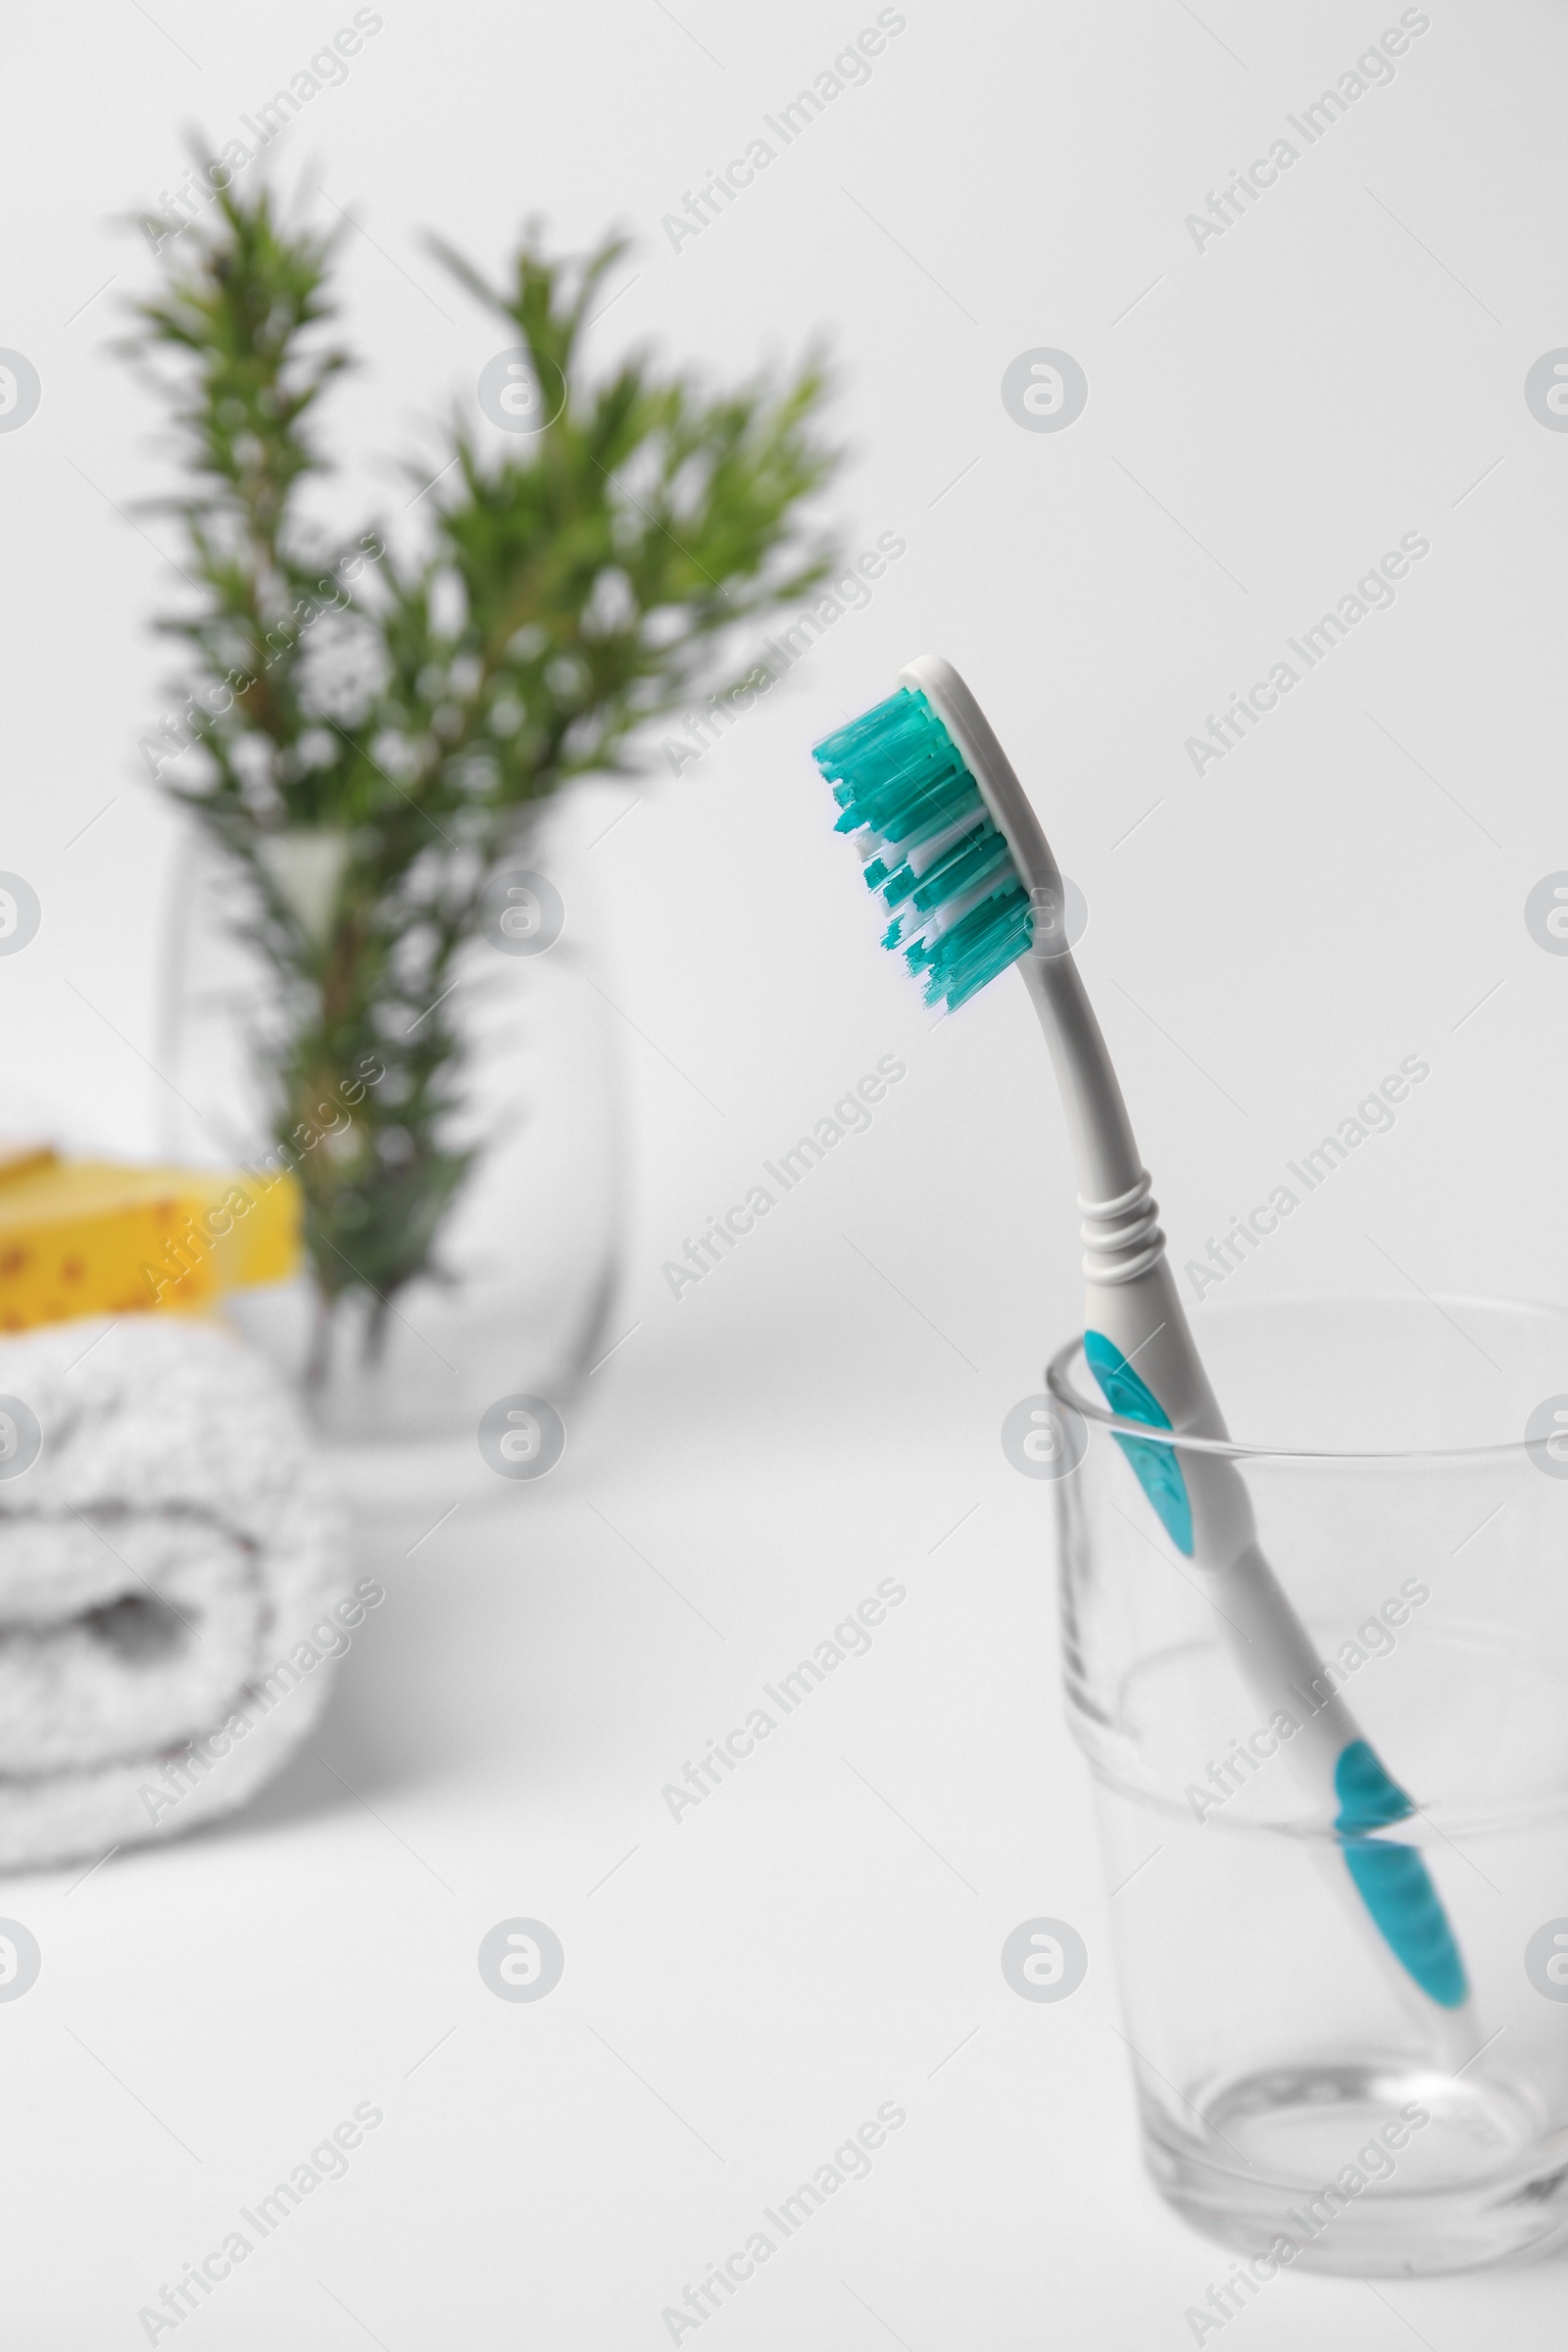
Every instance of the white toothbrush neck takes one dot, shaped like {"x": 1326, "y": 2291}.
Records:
{"x": 1114, "y": 1185}
{"x": 1121, "y": 1227}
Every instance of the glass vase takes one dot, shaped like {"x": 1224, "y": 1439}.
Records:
{"x": 528, "y": 1252}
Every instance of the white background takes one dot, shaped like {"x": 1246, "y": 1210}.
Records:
{"x": 1265, "y": 418}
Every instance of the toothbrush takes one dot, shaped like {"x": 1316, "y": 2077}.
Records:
{"x": 959, "y": 859}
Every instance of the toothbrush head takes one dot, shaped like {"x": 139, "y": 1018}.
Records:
{"x": 933, "y": 852}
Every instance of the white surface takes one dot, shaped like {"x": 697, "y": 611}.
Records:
{"x": 1272, "y": 415}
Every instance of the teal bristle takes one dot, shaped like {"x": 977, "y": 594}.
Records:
{"x": 897, "y": 776}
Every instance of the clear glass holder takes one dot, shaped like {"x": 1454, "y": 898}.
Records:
{"x": 1303, "y": 2100}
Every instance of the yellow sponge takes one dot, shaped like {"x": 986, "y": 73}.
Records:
{"x": 93, "y": 1238}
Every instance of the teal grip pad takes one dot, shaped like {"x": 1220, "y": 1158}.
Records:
{"x": 1157, "y": 1470}
{"x": 1391, "y": 1879}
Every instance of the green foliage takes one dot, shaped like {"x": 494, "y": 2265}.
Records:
{"x": 408, "y": 712}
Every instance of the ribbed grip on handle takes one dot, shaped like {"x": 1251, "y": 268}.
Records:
{"x": 1122, "y": 1236}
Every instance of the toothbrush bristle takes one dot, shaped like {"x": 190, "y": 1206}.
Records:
{"x": 935, "y": 858}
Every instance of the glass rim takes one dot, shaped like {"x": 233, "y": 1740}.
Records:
{"x": 1096, "y": 1411}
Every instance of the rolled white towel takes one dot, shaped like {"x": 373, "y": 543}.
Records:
{"x": 174, "y": 1583}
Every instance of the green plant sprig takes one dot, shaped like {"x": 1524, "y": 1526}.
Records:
{"x": 409, "y": 712}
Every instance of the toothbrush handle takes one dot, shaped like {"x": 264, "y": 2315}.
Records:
{"x": 1202, "y": 1501}
{"x": 1139, "y": 1332}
